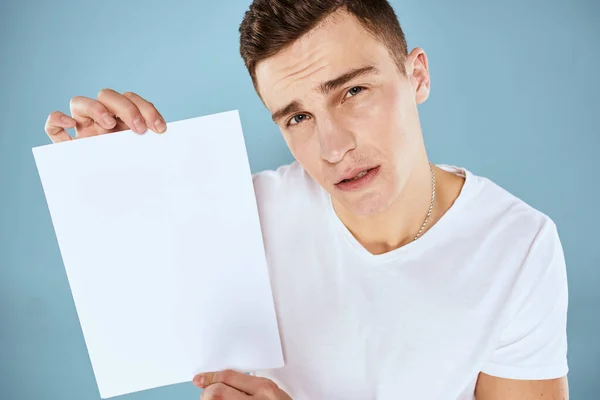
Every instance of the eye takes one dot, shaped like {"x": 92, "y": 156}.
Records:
{"x": 296, "y": 119}
{"x": 354, "y": 91}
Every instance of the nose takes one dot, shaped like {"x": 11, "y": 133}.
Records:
{"x": 335, "y": 140}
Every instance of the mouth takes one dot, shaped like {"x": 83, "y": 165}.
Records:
{"x": 357, "y": 176}
{"x": 359, "y": 179}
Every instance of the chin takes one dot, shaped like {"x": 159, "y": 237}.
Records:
{"x": 366, "y": 204}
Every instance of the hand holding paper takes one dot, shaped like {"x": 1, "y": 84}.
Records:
{"x": 110, "y": 112}
{"x": 235, "y": 385}
{"x": 161, "y": 243}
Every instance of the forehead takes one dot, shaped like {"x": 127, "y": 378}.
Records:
{"x": 338, "y": 44}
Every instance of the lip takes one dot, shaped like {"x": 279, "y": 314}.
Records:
{"x": 355, "y": 171}
{"x": 360, "y": 183}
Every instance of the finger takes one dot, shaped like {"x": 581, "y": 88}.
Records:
{"x": 222, "y": 391}
{"x": 123, "y": 108}
{"x": 240, "y": 381}
{"x": 56, "y": 124}
{"x": 87, "y": 111}
{"x": 153, "y": 119}
{"x": 121, "y": 126}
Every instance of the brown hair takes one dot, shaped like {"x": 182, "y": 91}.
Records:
{"x": 271, "y": 25}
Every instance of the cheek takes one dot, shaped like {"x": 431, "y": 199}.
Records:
{"x": 379, "y": 120}
{"x": 305, "y": 150}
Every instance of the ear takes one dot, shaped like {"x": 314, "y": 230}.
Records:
{"x": 417, "y": 70}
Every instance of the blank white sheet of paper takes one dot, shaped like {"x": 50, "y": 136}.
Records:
{"x": 162, "y": 247}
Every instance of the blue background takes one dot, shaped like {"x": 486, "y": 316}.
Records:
{"x": 515, "y": 97}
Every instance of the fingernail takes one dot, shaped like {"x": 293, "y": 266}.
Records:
{"x": 160, "y": 125}
{"x": 198, "y": 380}
{"x": 66, "y": 120}
{"x": 138, "y": 125}
{"x": 109, "y": 120}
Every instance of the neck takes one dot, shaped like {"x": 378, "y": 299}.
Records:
{"x": 408, "y": 211}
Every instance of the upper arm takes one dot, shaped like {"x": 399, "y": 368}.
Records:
{"x": 494, "y": 388}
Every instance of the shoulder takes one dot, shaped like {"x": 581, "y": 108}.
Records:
{"x": 503, "y": 214}
{"x": 287, "y": 195}
{"x": 519, "y": 242}
{"x": 270, "y": 181}
{"x": 290, "y": 181}
{"x": 507, "y": 237}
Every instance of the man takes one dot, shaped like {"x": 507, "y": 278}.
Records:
{"x": 392, "y": 278}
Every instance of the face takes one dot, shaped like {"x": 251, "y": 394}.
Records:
{"x": 347, "y": 112}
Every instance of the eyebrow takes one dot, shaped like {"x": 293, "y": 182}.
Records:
{"x": 291, "y": 108}
{"x": 325, "y": 88}
{"x": 331, "y": 85}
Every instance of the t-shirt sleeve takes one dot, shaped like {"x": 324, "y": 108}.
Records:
{"x": 533, "y": 343}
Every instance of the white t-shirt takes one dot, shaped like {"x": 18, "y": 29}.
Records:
{"x": 484, "y": 289}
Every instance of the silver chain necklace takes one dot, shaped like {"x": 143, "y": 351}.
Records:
{"x": 430, "y": 205}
